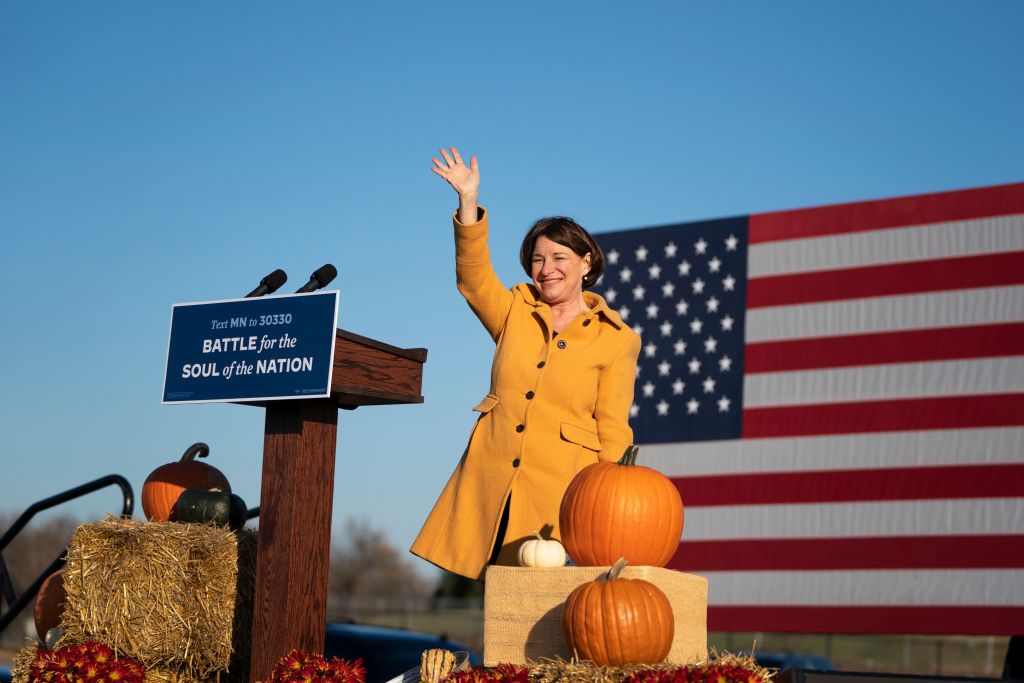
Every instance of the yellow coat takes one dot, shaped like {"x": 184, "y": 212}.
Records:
{"x": 555, "y": 405}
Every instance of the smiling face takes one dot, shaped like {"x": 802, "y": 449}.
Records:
{"x": 557, "y": 271}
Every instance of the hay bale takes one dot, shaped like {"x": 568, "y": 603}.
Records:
{"x": 726, "y": 668}
{"x": 163, "y": 593}
{"x": 22, "y": 664}
{"x": 158, "y": 675}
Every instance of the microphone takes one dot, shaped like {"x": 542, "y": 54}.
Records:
{"x": 320, "y": 278}
{"x": 269, "y": 284}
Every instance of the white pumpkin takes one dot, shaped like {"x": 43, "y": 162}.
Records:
{"x": 541, "y": 553}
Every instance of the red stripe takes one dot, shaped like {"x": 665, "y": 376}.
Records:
{"x": 1003, "y": 551}
{"x": 910, "y": 346}
{"x": 939, "y": 620}
{"x": 834, "y": 486}
{"x": 947, "y": 412}
{"x": 880, "y": 214}
{"x": 966, "y": 272}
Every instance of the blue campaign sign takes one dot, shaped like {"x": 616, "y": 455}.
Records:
{"x": 267, "y": 348}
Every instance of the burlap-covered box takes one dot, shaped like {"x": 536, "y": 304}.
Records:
{"x": 523, "y": 611}
{"x": 176, "y": 597}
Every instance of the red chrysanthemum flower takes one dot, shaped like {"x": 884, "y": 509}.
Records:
{"x": 342, "y": 671}
{"x": 502, "y": 673}
{"x": 311, "y": 672}
{"x": 119, "y": 672}
{"x": 136, "y": 672}
{"x": 287, "y": 666}
{"x": 509, "y": 673}
{"x": 294, "y": 660}
{"x": 301, "y": 667}
{"x": 88, "y": 662}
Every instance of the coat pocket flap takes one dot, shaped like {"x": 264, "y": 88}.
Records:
{"x": 583, "y": 437}
{"x": 486, "y": 405}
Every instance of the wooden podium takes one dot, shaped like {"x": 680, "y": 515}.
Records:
{"x": 300, "y": 438}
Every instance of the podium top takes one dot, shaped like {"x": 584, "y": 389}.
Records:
{"x": 368, "y": 372}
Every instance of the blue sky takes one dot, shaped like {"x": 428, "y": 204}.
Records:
{"x": 161, "y": 153}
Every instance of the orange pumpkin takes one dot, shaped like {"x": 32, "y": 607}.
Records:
{"x": 166, "y": 483}
{"x": 622, "y": 509}
{"x": 614, "y": 621}
{"x": 50, "y": 603}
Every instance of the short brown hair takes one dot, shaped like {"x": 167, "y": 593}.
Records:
{"x": 568, "y": 233}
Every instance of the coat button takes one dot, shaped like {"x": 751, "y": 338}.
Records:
{"x": 586, "y": 322}
{"x": 515, "y": 463}
{"x": 540, "y": 364}
{"x": 520, "y": 428}
{"x": 561, "y": 343}
{"x": 529, "y": 395}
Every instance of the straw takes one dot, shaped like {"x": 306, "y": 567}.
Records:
{"x": 163, "y": 593}
{"x": 562, "y": 671}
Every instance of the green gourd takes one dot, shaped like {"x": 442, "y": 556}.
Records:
{"x": 203, "y": 506}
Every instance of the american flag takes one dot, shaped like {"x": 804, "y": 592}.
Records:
{"x": 838, "y": 393}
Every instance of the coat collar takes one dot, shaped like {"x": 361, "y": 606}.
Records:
{"x": 598, "y": 306}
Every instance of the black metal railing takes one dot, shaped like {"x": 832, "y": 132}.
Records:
{"x": 7, "y": 593}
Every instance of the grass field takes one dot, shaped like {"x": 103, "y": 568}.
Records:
{"x": 925, "y": 655}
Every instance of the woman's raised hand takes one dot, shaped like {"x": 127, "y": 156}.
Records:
{"x": 464, "y": 179}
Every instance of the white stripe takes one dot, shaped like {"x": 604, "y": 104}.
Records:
{"x": 844, "y": 452}
{"x": 981, "y": 587}
{"x": 873, "y": 518}
{"x": 886, "y": 314}
{"x": 878, "y": 247}
{"x": 880, "y": 382}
